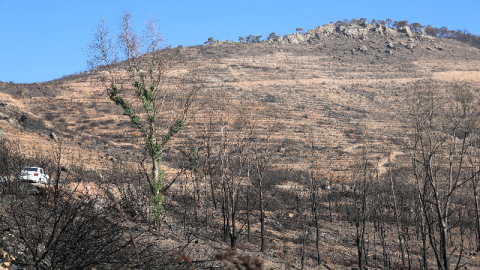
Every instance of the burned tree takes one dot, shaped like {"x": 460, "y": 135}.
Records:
{"x": 439, "y": 143}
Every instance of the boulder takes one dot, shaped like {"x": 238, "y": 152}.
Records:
{"x": 9, "y": 122}
{"x": 406, "y": 30}
{"x": 325, "y": 30}
{"x": 389, "y": 32}
{"x": 353, "y": 31}
{"x": 378, "y": 29}
{"x": 363, "y": 48}
{"x": 410, "y": 45}
{"x": 54, "y": 136}
{"x": 295, "y": 38}
{"x": 311, "y": 36}
{"x": 299, "y": 36}
{"x": 367, "y": 25}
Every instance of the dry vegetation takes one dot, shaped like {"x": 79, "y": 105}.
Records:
{"x": 326, "y": 121}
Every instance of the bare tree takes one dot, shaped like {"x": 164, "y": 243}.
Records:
{"x": 262, "y": 155}
{"x": 360, "y": 205}
{"x": 442, "y": 121}
{"x": 62, "y": 227}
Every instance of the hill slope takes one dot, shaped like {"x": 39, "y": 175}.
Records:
{"x": 326, "y": 95}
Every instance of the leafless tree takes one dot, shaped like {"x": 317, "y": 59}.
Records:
{"x": 442, "y": 121}
{"x": 262, "y": 154}
{"x": 61, "y": 226}
{"x": 360, "y": 205}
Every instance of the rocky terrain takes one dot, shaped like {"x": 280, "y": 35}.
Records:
{"x": 324, "y": 94}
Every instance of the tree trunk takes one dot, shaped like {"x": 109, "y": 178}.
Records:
{"x": 477, "y": 214}
{"x": 262, "y": 218}
{"x": 317, "y": 242}
{"x": 444, "y": 243}
{"x": 248, "y": 216}
{"x": 155, "y": 193}
{"x": 397, "y": 216}
{"x": 205, "y": 203}
{"x": 233, "y": 233}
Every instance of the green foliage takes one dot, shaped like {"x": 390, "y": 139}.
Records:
{"x": 241, "y": 39}
{"x": 157, "y": 198}
{"x": 174, "y": 129}
{"x": 147, "y": 96}
{"x": 253, "y": 39}
{"x": 127, "y": 109}
{"x": 147, "y": 63}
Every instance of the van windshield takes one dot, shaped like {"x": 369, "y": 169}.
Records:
{"x": 30, "y": 169}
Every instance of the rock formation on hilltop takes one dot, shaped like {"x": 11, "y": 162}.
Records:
{"x": 356, "y": 30}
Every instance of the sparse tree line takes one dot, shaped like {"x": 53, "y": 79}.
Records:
{"x": 421, "y": 213}
{"x": 461, "y": 35}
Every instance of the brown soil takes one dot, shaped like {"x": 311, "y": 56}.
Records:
{"x": 329, "y": 94}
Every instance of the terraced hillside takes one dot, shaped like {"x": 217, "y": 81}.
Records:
{"x": 317, "y": 103}
{"x": 338, "y": 92}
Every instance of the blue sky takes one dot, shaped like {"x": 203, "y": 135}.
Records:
{"x": 43, "y": 40}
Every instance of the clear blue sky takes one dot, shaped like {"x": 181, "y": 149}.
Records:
{"x": 41, "y": 40}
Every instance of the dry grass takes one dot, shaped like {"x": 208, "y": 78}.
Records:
{"x": 322, "y": 94}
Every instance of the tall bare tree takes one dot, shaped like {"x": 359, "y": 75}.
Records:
{"x": 442, "y": 119}
{"x": 262, "y": 154}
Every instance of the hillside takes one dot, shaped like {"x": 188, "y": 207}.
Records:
{"x": 321, "y": 98}
{"x": 332, "y": 87}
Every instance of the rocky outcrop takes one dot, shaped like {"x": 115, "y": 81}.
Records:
{"x": 295, "y": 38}
{"x": 8, "y": 120}
{"x": 389, "y": 32}
{"x": 410, "y": 44}
{"x": 353, "y": 31}
{"x": 363, "y": 49}
{"x": 321, "y": 31}
{"x": 359, "y": 30}
{"x": 406, "y": 30}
